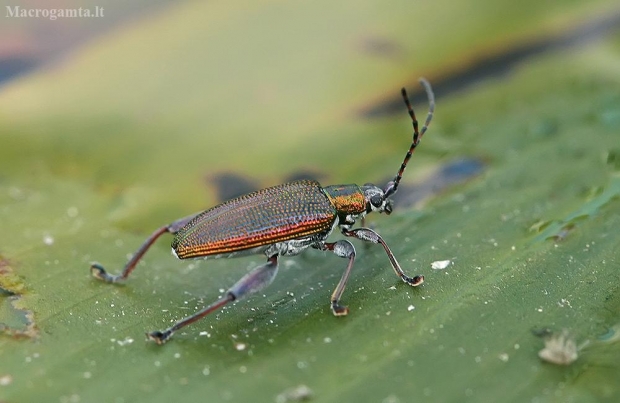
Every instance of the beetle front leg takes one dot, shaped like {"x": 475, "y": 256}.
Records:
{"x": 368, "y": 235}
{"x": 252, "y": 282}
{"x": 99, "y": 272}
{"x": 344, "y": 249}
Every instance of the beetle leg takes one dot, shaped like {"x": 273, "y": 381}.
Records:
{"x": 368, "y": 235}
{"x": 252, "y": 282}
{"x": 363, "y": 225}
{"x": 99, "y": 272}
{"x": 344, "y": 249}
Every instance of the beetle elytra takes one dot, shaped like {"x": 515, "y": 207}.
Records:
{"x": 279, "y": 221}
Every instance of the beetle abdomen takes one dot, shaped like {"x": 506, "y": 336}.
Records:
{"x": 280, "y": 213}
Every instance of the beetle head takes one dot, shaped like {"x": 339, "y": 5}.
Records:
{"x": 376, "y": 199}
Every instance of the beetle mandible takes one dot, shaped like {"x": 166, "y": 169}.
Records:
{"x": 279, "y": 221}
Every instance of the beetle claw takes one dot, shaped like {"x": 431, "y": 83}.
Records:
{"x": 159, "y": 337}
{"x": 414, "y": 281}
{"x": 339, "y": 310}
{"x": 100, "y": 273}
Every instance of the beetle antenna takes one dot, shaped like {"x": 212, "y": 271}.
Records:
{"x": 392, "y": 186}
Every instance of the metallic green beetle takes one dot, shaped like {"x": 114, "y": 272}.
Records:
{"x": 279, "y": 221}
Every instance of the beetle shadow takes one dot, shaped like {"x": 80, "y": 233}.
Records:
{"x": 228, "y": 184}
{"x": 448, "y": 175}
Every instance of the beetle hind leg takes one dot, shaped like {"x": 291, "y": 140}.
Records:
{"x": 252, "y": 282}
{"x": 343, "y": 249}
{"x": 100, "y": 273}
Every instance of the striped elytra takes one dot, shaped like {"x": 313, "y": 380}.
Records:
{"x": 276, "y": 214}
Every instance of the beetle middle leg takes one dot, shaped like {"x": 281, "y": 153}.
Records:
{"x": 99, "y": 272}
{"x": 344, "y": 249}
{"x": 368, "y": 235}
{"x": 252, "y": 282}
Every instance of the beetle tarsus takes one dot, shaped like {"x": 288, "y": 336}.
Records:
{"x": 159, "y": 337}
{"x": 339, "y": 310}
{"x": 414, "y": 281}
{"x": 100, "y": 273}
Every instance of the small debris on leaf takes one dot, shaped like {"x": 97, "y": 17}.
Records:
{"x": 440, "y": 264}
{"x": 560, "y": 348}
{"x": 297, "y": 394}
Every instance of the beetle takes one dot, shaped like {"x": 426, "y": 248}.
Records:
{"x": 279, "y": 221}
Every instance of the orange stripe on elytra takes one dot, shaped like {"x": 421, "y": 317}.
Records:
{"x": 243, "y": 242}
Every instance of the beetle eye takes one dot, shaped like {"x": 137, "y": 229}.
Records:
{"x": 376, "y": 200}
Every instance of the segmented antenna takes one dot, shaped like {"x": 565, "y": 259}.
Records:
{"x": 392, "y": 186}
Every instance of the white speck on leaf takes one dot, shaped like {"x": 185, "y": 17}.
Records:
{"x": 72, "y": 212}
{"x": 560, "y": 348}
{"x": 6, "y": 380}
{"x": 297, "y": 394}
{"x": 48, "y": 240}
{"x": 440, "y": 264}
{"x": 126, "y": 341}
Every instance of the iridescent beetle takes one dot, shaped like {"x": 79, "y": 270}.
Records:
{"x": 280, "y": 221}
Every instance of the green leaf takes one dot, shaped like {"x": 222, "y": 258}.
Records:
{"x": 122, "y": 137}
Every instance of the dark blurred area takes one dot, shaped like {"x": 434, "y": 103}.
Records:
{"x": 28, "y": 42}
{"x": 497, "y": 65}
